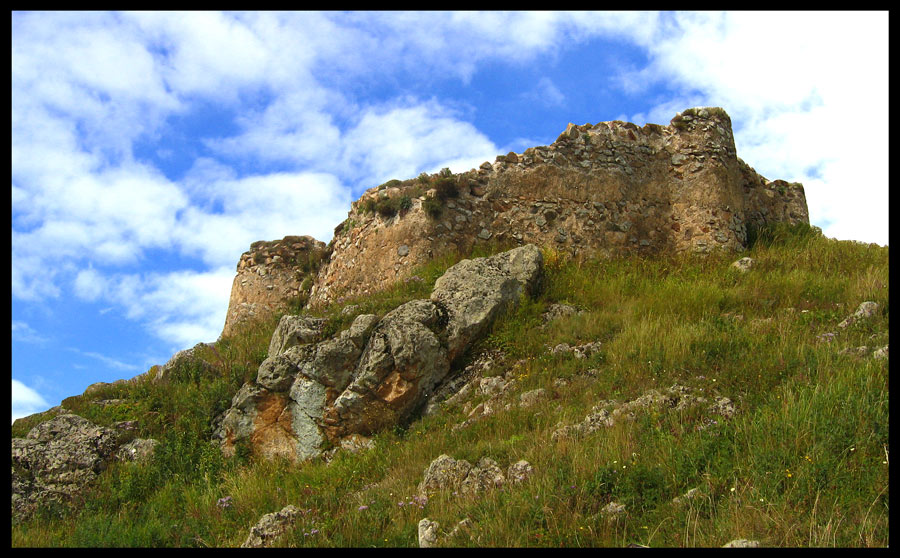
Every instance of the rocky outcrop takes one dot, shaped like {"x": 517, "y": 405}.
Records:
{"x": 58, "y": 458}
{"x": 607, "y": 413}
{"x": 446, "y": 474}
{"x": 271, "y": 276}
{"x": 606, "y": 188}
{"x": 376, "y": 373}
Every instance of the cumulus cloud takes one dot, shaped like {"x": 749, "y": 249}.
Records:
{"x": 805, "y": 91}
{"x": 409, "y": 137}
{"x": 25, "y": 400}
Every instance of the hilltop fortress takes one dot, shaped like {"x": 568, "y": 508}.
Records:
{"x": 598, "y": 190}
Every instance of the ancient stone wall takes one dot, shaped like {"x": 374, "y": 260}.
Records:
{"x": 601, "y": 189}
{"x": 272, "y": 275}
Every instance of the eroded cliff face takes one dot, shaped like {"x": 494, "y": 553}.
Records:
{"x": 599, "y": 189}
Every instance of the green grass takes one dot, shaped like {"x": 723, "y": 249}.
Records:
{"x": 802, "y": 463}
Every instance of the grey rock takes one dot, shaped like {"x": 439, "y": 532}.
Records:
{"x": 475, "y": 292}
{"x": 294, "y": 330}
{"x": 741, "y": 543}
{"x": 277, "y": 373}
{"x": 56, "y": 460}
{"x": 529, "y": 398}
{"x": 484, "y": 475}
{"x": 402, "y": 363}
{"x": 519, "y": 471}
{"x": 428, "y": 533}
{"x": 349, "y": 310}
{"x": 442, "y": 474}
{"x": 744, "y": 264}
{"x": 403, "y": 250}
{"x": 865, "y": 311}
{"x": 139, "y": 449}
{"x": 557, "y": 311}
{"x": 270, "y": 527}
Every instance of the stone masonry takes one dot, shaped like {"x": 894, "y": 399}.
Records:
{"x": 272, "y": 274}
{"x": 601, "y": 189}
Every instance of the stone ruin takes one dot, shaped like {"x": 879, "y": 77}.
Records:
{"x": 598, "y": 190}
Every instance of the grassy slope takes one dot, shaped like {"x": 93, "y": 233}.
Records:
{"x": 803, "y": 463}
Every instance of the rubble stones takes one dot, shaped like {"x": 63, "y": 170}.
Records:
{"x": 677, "y": 397}
{"x": 865, "y": 311}
{"x": 448, "y": 474}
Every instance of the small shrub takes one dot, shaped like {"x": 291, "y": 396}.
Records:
{"x": 388, "y": 207}
{"x": 368, "y": 206}
{"x": 389, "y": 184}
{"x": 424, "y": 179}
{"x": 433, "y": 207}
{"x": 446, "y": 188}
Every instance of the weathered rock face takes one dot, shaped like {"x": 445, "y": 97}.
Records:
{"x": 57, "y": 459}
{"x": 599, "y": 189}
{"x": 272, "y": 274}
{"x": 376, "y": 373}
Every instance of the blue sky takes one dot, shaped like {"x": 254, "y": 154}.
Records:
{"x": 150, "y": 149}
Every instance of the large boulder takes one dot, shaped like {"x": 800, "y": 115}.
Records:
{"x": 56, "y": 460}
{"x": 376, "y": 373}
{"x": 476, "y": 291}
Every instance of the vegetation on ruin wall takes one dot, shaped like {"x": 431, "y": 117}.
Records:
{"x": 803, "y": 463}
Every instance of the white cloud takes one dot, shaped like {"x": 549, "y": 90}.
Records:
{"x": 182, "y": 308}
{"x": 26, "y": 401}
{"x": 108, "y": 361}
{"x": 402, "y": 140}
{"x": 545, "y": 92}
{"x": 22, "y": 332}
{"x": 807, "y": 93}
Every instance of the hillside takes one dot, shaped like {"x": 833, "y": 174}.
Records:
{"x": 635, "y": 398}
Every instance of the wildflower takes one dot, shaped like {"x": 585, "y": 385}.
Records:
{"x": 224, "y": 502}
{"x": 362, "y": 508}
{"x": 400, "y": 504}
{"x": 732, "y": 489}
{"x": 314, "y": 531}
